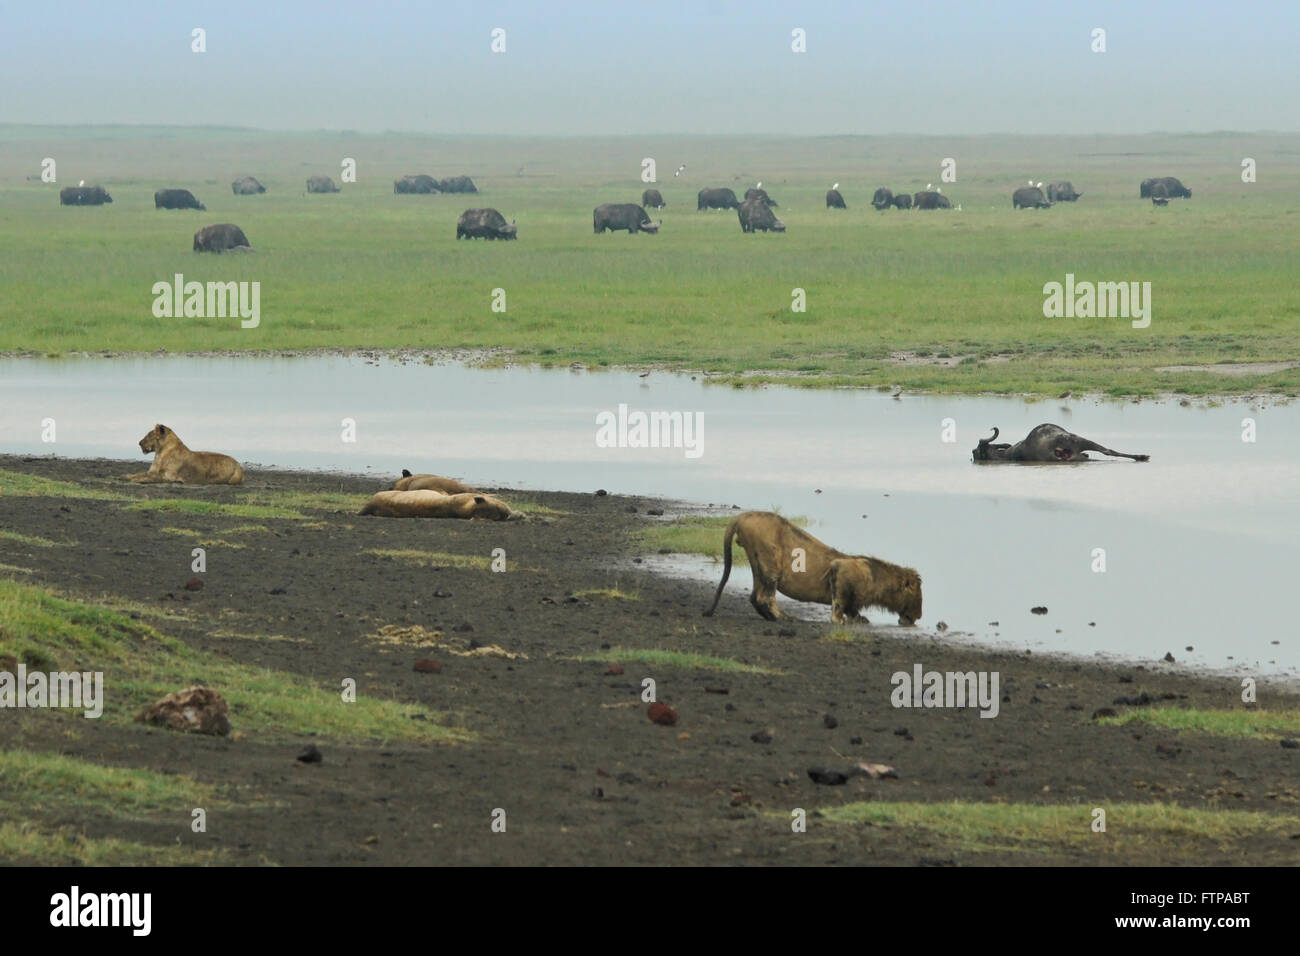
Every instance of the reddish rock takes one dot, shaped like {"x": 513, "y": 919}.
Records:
{"x": 662, "y": 714}
{"x": 194, "y": 584}
{"x": 426, "y": 666}
{"x": 614, "y": 669}
{"x": 198, "y": 710}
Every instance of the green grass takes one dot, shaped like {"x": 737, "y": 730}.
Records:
{"x": 203, "y": 538}
{"x": 1256, "y": 724}
{"x": 613, "y": 594}
{"x": 192, "y": 506}
{"x": 23, "y": 485}
{"x": 696, "y": 535}
{"x": 681, "y": 660}
{"x": 701, "y": 294}
{"x": 29, "y": 539}
{"x": 309, "y": 500}
{"x": 426, "y": 559}
{"x": 25, "y": 844}
{"x": 141, "y": 665}
{"x": 1040, "y": 829}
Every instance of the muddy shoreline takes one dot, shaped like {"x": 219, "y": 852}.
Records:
{"x": 566, "y": 748}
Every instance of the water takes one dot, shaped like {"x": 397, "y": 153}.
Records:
{"x": 1200, "y": 544}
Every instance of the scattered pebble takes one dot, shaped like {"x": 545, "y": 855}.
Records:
{"x": 311, "y": 754}
{"x": 426, "y": 666}
{"x": 761, "y": 736}
{"x": 829, "y": 722}
{"x": 1038, "y": 610}
{"x": 662, "y": 714}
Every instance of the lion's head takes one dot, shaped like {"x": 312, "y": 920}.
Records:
{"x": 154, "y": 440}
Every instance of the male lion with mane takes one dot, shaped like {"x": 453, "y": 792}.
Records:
{"x": 848, "y": 583}
{"x": 173, "y": 462}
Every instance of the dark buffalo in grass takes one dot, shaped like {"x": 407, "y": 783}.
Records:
{"x": 1029, "y": 197}
{"x": 484, "y": 224}
{"x": 622, "y": 215}
{"x": 220, "y": 238}
{"x": 176, "y": 199}
{"x": 653, "y": 199}
{"x": 1062, "y": 191}
{"x": 931, "y": 200}
{"x": 321, "y": 184}
{"x": 721, "y": 198}
{"x": 421, "y": 184}
{"x": 834, "y": 200}
{"x": 84, "y": 196}
{"x": 457, "y": 184}
{"x": 903, "y": 201}
{"x": 757, "y": 216}
{"x": 1173, "y": 188}
{"x": 755, "y": 192}
{"x": 883, "y": 198}
{"x": 247, "y": 186}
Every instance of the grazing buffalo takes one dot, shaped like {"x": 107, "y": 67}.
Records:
{"x": 622, "y": 215}
{"x": 755, "y": 192}
{"x": 1159, "y": 194}
{"x": 84, "y": 196}
{"x": 717, "y": 199}
{"x": 1174, "y": 188}
{"x": 420, "y": 183}
{"x": 1045, "y": 443}
{"x": 220, "y": 238}
{"x": 903, "y": 201}
{"x": 931, "y": 200}
{"x": 1062, "y": 191}
{"x": 756, "y": 215}
{"x": 883, "y": 198}
{"x": 834, "y": 200}
{"x": 247, "y": 186}
{"x": 458, "y": 184}
{"x": 321, "y": 184}
{"x": 176, "y": 199}
{"x": 653, "y": 199}
{"x": 484, "y": 224}
{"x": 1029, "y": 197}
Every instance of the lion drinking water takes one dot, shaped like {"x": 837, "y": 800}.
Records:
{"x": 173, "y": 462}
{"x": 788, "y": 559}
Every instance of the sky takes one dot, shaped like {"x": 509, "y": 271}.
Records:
{"x": 580, "y": 68}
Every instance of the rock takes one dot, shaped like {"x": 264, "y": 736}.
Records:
{"x": 829, "y": 722}
{"x": 941, "y": 626}
{"x": 426, "y": 666}
{"x": 601, "y": 492}
{"x": 1290, "y": 743}
{"x": 194, "y": 584}
{"x": 739, "y": 798}
{"x": 828, "y": 778}
{"x": 613, "y": 670}
{"x": 1142, "y": 700}
{"x": 717, "y": 690}
{"x": 656, "y": 512}
{"x": 310, "y": 754}
{"x": 199, "y": 710}
{"x": 662, "y": 714}
{"x": 855, "y": 741}
{"x": 1038, "y": 610}
{"x": 900, "y": 732}
{"x": 761, "y": 736}
{"x": 785, "y": 632}
{"x": 1168, "y": 658}
{"x": 1105, "y": 712}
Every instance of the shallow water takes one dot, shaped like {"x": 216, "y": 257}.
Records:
{"x": 1200, "y": 543}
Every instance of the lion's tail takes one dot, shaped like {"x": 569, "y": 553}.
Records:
{"x": 726, "y": 564}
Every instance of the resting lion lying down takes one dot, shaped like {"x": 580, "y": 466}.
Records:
{"x": 175, "y": 463}
{"x": 410, "y": 482}
{"x": 435, "y": 504}
{"x": 818, "y": 573}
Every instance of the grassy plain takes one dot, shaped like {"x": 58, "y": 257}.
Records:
{"x": 960, "y": 292}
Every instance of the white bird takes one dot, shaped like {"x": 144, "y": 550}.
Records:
{"x": 679, "y": 170}
{"x": 1040, "y": 185}
{"x": 760, "y": 184}
{"x": 82, "y": 183}
{"x": 836, "y": 186}
{"x": 1031, "y": 182}
{"x": 939, "y": 190}
{"x": 929, "y": 185}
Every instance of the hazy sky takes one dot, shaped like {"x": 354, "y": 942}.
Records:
{"x": 660, "y": 66}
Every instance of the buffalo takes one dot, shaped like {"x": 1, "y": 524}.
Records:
{"x": 84, "y": 196}
{"x": 653, "y": 199}
{"x": 1159, "y": 194}
{"x": 1046, "y": 443}
{"x": 220, "y": 238}
{"x": 1029, "y": 197}
{"x": 458, "y": 184}
{"x": 755, "y": 192}
{"x": 176, "y": 199}
{"x": 484, "y": 224}
{"x": 717, "y": 199}
{"x": 415, "y": 184}
{"x": 1062, "y": 191}
{"x": 321, "y": 184}
{"x": 626, "y": 215}
{"x": 903, "y": 201}
{"x": 247, "y": 186}
{"x": 756, "y": 215}
{"x": 931, "y": 200}
{"x": 1174, "y": 188}
{"x": 834, "y": 200}
{"x": 883, "y": 198}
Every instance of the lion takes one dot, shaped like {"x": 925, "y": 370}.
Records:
{"x": 410, "y": 482}
{"x": 788, "y": 559}
{"x": 173, "y": 462}
{"x": 430, "y": 503}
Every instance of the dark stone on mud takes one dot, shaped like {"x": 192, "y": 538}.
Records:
{"x": 829, "y": 722}
{"x": 194, "y": 584}
{"x": 1141, "y": 700}
{"x": 601, "y": 492}
{"x": 855, "y": 741}
{"x": 310, "y": 754}
{"x": 901, "y": 732}
{"x": 761, "y": 737}
{"x": 717, "y": 690}
{"x": 426, "y": 666}
{"x": 1168, "y": 750}
{"x": 657, "y": 512}
{"x": 828, "y": 778}
{"x": 1105, "y": 712}
{"x": 464, "y": 627}
{"x": 1125, "y": 678}
{"x": 1038, "y": 610}
{"x": 1291, "y": 743}
{"x": 613, "y": 669}
{"x": 662, "y": 714}
{"x": 786, "y": 632}
{"x": 277, "y": 591}
{"x": 1168, "y": 658}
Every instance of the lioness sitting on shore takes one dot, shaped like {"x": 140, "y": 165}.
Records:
{"x": 410, "y": 482}
{"x": 788, "y": 559}
{"x": 173, "y": 462}
{"x": 429, "y": 503}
